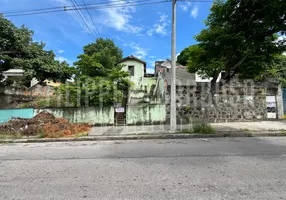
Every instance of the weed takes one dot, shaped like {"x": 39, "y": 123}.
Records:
{"x": 187, "y": 131}
{"x": 82, "y": 135}
{"x": 204, "y": 128}
{"x": 245, "y": 129}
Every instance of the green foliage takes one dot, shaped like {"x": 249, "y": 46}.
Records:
{"x": 183, "y": 57}
{"x": 18, "y": 50}
{"x": 42, "y": 103}
{"x": 277, "y": 70}
{"x": 204, "y": 128}
{"x": 93, "y": 91}
{"x": 240, "y": 38}
{"x": 99, "y": 81}
{"x": 99, "y": 58}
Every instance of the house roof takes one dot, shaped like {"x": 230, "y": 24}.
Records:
{"x": 14, "y": 72}
{"x": 183, "y": 77}
{"x": 131, "y": 57}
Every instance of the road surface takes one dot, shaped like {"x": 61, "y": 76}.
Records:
{"x": 226, "y": 168}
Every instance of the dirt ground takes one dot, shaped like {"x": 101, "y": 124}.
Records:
{"x": 44, "y": 124}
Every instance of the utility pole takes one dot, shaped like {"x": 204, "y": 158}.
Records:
{"x": 173, "y": 120}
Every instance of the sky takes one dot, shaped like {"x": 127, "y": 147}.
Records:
{"x": 140, "y": 30}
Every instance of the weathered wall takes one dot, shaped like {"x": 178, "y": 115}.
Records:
{"x": 149, "y": 84}
{"x": 40, "y": 91}
{"x": 89, "y": 115}
{"x": 137, "y": 79}
{"x": 146, "y": 113}
{"x": 236, "y": 102}
{"x": 10, "y": 94}
{"x": 6, "y": 115}
{"x": 284, "y": 100}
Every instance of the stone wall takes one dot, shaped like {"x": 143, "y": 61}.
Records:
{"x": 236, "y": 101}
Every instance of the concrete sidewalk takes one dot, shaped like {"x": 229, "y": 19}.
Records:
{"x": 165, "y": 129}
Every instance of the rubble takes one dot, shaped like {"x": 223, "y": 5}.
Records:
{"x": 45, "y": 124}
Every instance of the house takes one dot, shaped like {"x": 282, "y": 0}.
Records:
{"x": 145, "y": 100}
{"x": 144, "y": 85}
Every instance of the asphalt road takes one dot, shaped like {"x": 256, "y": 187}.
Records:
{"x": 226, "y": 168}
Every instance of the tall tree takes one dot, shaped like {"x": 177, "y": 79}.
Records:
{"x": 99, "y": 81}
{"x": 19, "y": 51}
{"x": 240, "y": 38}
{"x": 99, "y": 58}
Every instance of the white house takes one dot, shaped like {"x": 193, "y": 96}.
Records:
{"x": 136, "y": 69}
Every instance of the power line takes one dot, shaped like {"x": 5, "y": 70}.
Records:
{"x": 59, "y": 7}
{"x": 91, "y": 7}
{"x": 82, "y": 18}
{"x": 65, "y": 8}
{"x": 91, "y": 18}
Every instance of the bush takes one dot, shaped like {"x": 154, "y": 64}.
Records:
{"x": 204, "y": 128}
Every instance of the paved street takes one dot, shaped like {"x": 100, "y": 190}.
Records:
{"x": 162, "y": 129}
{"x": 225, "y": 168}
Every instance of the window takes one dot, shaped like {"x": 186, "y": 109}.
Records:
{"x": 131, "y": 70}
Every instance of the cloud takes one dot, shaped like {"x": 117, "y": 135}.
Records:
{"x": 120, "y": 18}
{"x": 185, "y": 7}
{"x": 62, "y": 59}
{"x": 160, "y": 27}
{"x": 60, "y": 51}
{"x": 195, "y": 11}
{"x": 87, "y": 26}
{"x": 188, "y": 6}
{"x": 139, "y": 52}
{"x": 150, "y": 70}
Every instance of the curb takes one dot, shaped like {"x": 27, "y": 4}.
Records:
{"x": 144, "y": 137}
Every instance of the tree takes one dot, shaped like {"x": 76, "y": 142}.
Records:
{"x": 99, "y": 81}
{"x": 240, "y": 38}
{"x": 99, "y": 58}
{"x": 19, "y": 51}
{"x": 183, "y": 57}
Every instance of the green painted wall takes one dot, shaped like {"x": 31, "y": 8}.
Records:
{"x": 89, "y": 115}
{"x": 7, "y": 114}
{"x": 146, "y": 113}
{"x": 149, "y": 82}
{"x": 137, "y": 79}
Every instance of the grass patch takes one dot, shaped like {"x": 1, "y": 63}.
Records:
{"x": 4, "y": 135}
{"x": 200, "y": 128}
{"x": 244, "y": 129}
{"x": 82, "y": 135}
{"x": 204, "y": 129}
{"x": 188, "y": 131}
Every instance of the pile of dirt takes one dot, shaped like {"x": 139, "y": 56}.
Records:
{"x": 44, "y": 123}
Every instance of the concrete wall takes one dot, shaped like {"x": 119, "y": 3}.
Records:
{"x": 149, "y": 83}
{"x": 146, "y": 114}
{"x": 137, "y": 79}
{"x": 89, "y": 115}
{"x": 6, "y": 115}
{"x": 284, "y": 100}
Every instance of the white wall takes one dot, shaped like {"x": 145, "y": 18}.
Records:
{"x": 137, "y": 79}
